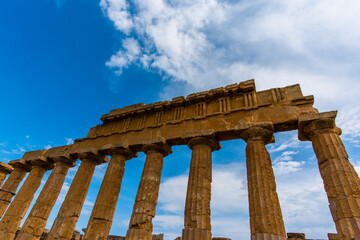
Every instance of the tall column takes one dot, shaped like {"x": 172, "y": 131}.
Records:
{"x": 266, "y": 221}
{"x": 11, "y": 184}
{"x": 198, "y": 196}
{"x": 341, "y": 182}
{"x": 140, "y": 226}
{"x": 103, "y": 212}
{"x": 65, "y": 222}
{"x": 11, "y": 220}
{"x": 35, "y": 223}
{"x": 5, "y": 169}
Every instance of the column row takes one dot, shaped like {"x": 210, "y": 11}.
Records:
{"x": 341, "y": 183}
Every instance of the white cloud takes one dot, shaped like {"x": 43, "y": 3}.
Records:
{"x": 69, "y": 141}
{"x": 116, "y": 10}
{"x": 27, "y": 136}
{"x": 210, "y": 43}
{"x": 3, "y": 144}
{"x": 47, "y": 146}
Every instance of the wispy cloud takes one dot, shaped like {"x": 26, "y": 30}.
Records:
{"x": 47, "y": 146}
{"x": 69, "y": 141}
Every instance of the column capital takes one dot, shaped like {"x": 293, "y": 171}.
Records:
{"x": 118, "y": 148}
{"x": 309, "y": 124}
{"x": 156, "y": 144}
{"x": 91, "y": 154}
{"x": 61, "y": 154}
{"x": 38, "y": 158}
{"x": 256, "y": 132}
{"x": 212, "y": 142}
{"x": 19, "y": 164}
{"x": 6, "y": 168}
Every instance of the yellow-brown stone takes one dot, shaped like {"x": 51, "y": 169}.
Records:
{"x": 35, "y": 223}
{"x": 140, "y": 226}
{"x": 11, "y": 220}
{"x": 10, "y": 186}
{"x": 103, "y": 212}
{"x": 266, "y": 220}
{"x": 341, "y": 182}
{"x": 65, "y": 222}
{"x": 197, "y": 206}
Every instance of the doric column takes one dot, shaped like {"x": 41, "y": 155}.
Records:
{"x": 341, "y": 182}
{"x": 103, "y": 212}
{"x": 197, "y": 207}
{"x": 266, "y": 221}
{"x": 11, "y": 184}
{"x": 5, "y": 169}
{"x": 65, "y": 222}
{"x": 11, "y": 221}
{"x": 140, "y": 226}
{"x": 35, "y": 223}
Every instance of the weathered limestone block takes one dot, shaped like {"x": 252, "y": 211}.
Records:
{"x": 341, "y": 182}
{"x": 296, "y": 236}
{"x": 5, "y": 169}
{"x": 140, "y": 226}
{"x": 197, "y": 206}
{"x": 266, "y": 220}
{"x": 65, "y": 222}
{"x": 10, "y": 186}
{"x": 35, "y": 223}
{"x": 103, "y": 212}
{"x": 11, "y": 221}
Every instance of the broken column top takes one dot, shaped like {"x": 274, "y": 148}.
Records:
{"x": 20, "y": 164}
{"x": 37, "y": 158}
{"x": 6, "y": 168}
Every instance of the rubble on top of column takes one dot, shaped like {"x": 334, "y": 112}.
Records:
{"x": 6, "y": 168}
{"x": 37, "y": 158}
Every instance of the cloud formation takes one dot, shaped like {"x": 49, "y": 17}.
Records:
{"x": 204, "y": 44}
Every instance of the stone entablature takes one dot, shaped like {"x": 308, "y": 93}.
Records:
{"x": 172, "y": 120}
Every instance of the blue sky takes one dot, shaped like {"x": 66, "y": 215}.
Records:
{"x": 65, "y": 63}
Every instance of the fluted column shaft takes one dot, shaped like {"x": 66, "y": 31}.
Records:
{"x": 341, "y": 182}
{"x": 65, "y": 222}
{"x": 104, "y": 209}
{"x": 266, "y": 221}
{"x": 197, "y": 206}
{"x": 140, "y": 226}
{"x": 35, "y": 223}
{"x": 11, "y": 185}
{"x": 11, "y": 220}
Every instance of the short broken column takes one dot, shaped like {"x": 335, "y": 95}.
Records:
{"x": 140, "y": 226}
{"x": 11, "y": 220}
{"x": 266, "y": 221}
{"x": 35, "y": 223}
{"x": 65, "y": 222}
{"x": 5, "y": 169}
{"x": 104, "y": 209}
{"x": 197, "y": 207}
{"x": 341, "y": 182}
{"x": 11, "y": 184}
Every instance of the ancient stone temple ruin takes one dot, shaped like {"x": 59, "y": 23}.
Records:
{"x": 200, "y": 121}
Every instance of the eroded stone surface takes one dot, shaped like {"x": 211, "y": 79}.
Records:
{"x": 12, "y": 183}
{"x": 266, "y": 220}
{"x": 341, "y": 181}
{"x": 197, "y": 206}
{"x": 11, "y": 220}
{"x": 103, "y": 212}
{"x": 65, "y": 222}
{"x": 140, "y": 226}
{"x": 199, "y": 120}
